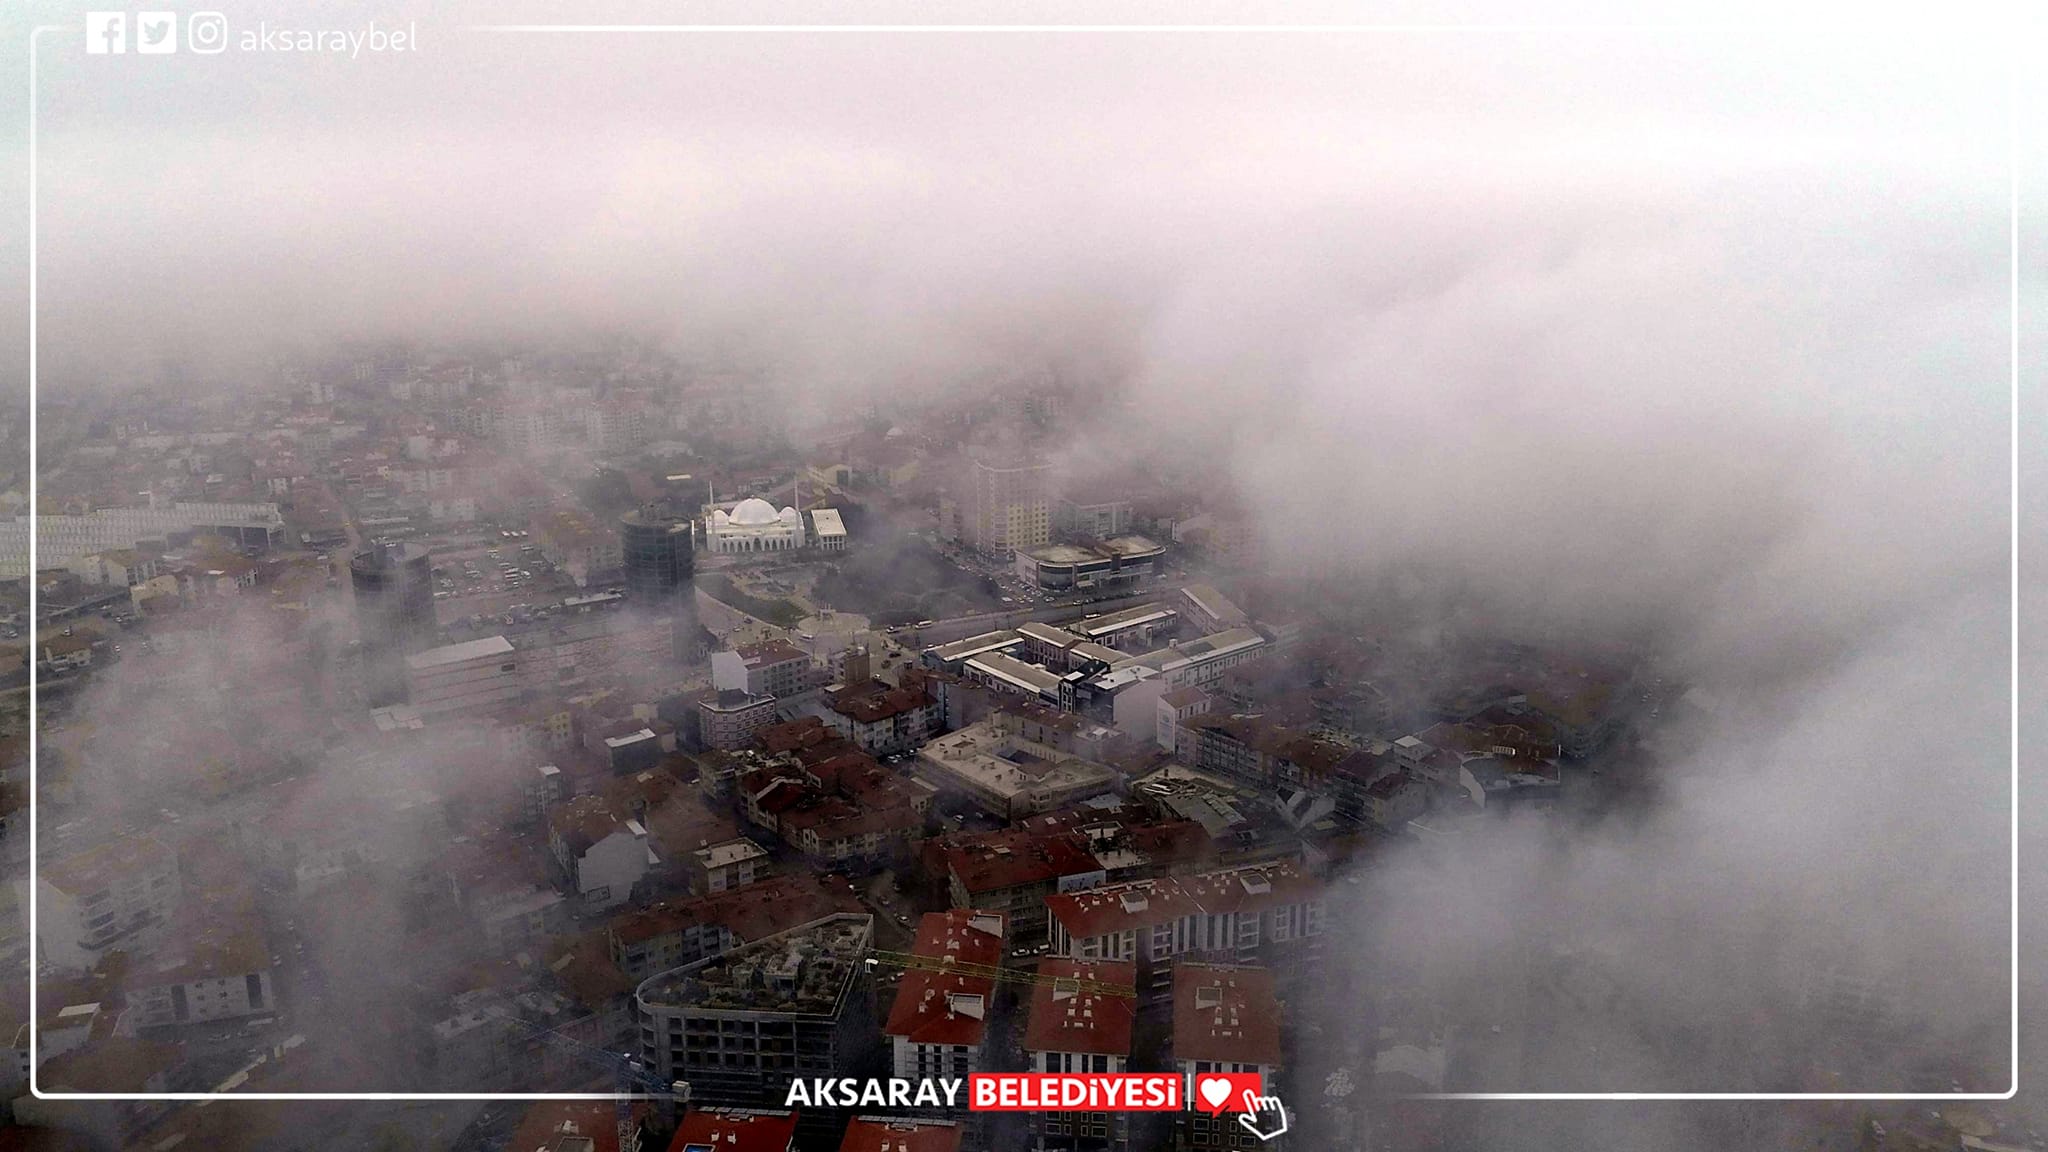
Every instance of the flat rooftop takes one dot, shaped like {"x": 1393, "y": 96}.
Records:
{"x": 1007, "y": 765}
{"x": 1009, "y": 669}
{"x": 1127, "y": 618}
{"x": 459, "y": 653}
{"x": 805, "y": 971}
{"x": 975, "y": 645}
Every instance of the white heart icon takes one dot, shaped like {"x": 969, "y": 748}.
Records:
{"x": 1215, "y": 1092}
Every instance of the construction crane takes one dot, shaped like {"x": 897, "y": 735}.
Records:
{"x": 946, "y": 965}
{"x": 631, "y": 1079}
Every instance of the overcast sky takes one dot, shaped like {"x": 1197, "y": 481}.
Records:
{"x": 1705, "y": 328}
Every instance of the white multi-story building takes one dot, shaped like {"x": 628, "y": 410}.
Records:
{"x": 220, "y": 976}
{"x": 118, "y": 895}
{"x": 599, "y": 855}
{"x": 1236, "y": 915}
{"x": 719, "y": 867}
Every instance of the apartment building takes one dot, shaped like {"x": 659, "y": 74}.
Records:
{"x": 1080, "y": 1023}
{"x": 119, "y": 895}
{"x": 1226, "y": 1018}
{"x": 740, "y": 1027}
{"x": 599, "y": 855}
{"x": 1271, "y": 911}
{"x": 938, "y": 1024}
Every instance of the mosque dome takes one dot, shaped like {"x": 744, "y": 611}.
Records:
{"x": 754, "y": 512}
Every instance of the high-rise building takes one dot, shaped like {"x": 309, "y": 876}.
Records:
{"x": 657, "y": 547}
{"x": 394, "y": 594}
{"x": 658, "y": 553}
{"x": 1006, "y": 507}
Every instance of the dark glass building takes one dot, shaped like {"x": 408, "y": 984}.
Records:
{"x": 657, "y": 545}
{"x": 657, "y": 549}
{"x": 394, "y": 594}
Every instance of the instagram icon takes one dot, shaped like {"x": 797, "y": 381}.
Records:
{"x": 206, "y": 32}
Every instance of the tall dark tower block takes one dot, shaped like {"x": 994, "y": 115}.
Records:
{"x": 658, "y": 545}
{"x": 394, "y": 594}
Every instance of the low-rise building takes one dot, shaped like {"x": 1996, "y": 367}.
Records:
{"x": 882, "y": 720}
{"x": 1139, "y": 628}
{"x": 119, "y": 895}
{"x": 770, "y": 668}
{"x": 828, "y": 529}
{"x": 1008, "y": 775}
{"x": 731, "y": 864}
{"x": 1012, "y": 872}
{"x": 587, "y": 550}
{"x": 1117, "y": 563}
{"x": 1006, "y": 674}
{"x": 1175, "y": 709}
{"x": 673, "y": 934}
{"x": 735, "y": 1130}
{"x": 952, "y": 657}
{"x": 730, "y": 720}
{"x": 472, "y": 677}
{"x": 598, "y": 854}
{"x": 218, "y": 972}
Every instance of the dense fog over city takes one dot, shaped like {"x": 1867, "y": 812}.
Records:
{"x": 1639, "y": 399}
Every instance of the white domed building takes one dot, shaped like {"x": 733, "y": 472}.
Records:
{"x": 753, "y": 525}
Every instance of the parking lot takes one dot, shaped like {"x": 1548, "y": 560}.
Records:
{"x": 495, "y": 577}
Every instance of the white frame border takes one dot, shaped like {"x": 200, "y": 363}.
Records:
{"x": 1057, "y": 29}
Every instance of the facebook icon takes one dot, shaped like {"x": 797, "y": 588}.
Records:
{"x": 106, "y": 32}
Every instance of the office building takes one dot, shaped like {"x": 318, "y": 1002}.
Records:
{"x": 394, "y": 596}
{"x": 657, "y": 552}
{"x": 1105, "y": 566}
{"x": 470, "y": 678}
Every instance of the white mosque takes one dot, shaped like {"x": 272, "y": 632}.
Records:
{"x": 753, "y": 525}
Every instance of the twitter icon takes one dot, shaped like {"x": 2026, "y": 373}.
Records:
{"x": 156, "y": 33}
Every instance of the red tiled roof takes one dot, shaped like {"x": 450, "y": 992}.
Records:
{"x": 547, "y": 1121}
{"x": 1017, "y": 858}
{"x": 1062, "y": 1021}
{"x": 736, "y": 1130}
{"x": 924, "y": 1011}
{"x": 894, "y": 1134}
{"x": 1225, "y": 1013}
{"x": 750, "y": 912}
{"x": 793, "y": 735}
{"x": 1144, "y": 903}
{"x": 873, "y": 707}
